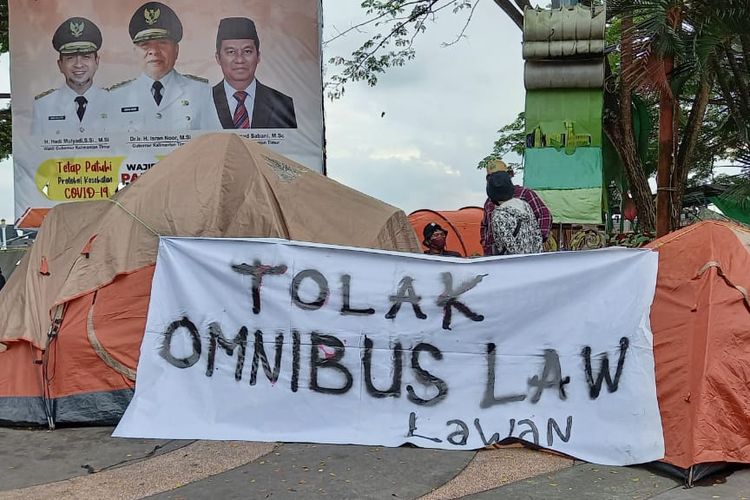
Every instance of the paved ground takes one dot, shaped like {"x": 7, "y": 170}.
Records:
{"x": 85, "y": 463}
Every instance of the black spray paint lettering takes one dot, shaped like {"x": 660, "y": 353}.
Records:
{"x": 552, "y": 425}
{"x": 329, "y": 361}
{"x": 257, "y": 271}
{"x": 595, "y": 387}
{"x": 495, "y": 438}
{"x": 346, "y": 308}
{"x": 326, "y": 352}
{"x": 166, "y": 345}
{"x": 551, "y": 377}
{"x": 260, "y": 355}
{"x": 406, "y": 294}
{"x": 425, "y": 377}
{"x": 395, "y": 389}
{"x": 323, "y": 290}
{"x": 413, "y": 427}
{"x": 461, "y": 433}
{"x": 532, "y": 429}
{"x": 295, "y": 360}
{"x": 489, "y": 399}
{"x": 216, "y": 338}
{"x": 449, "y": 299}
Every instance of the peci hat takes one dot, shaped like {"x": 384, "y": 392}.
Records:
{"x": 77, "y": 35}
{"x": 430, "y": 228}
{"x": 237, "y": 28}
{"x": 500, "y": 187}
{"x": 155, "y": 21}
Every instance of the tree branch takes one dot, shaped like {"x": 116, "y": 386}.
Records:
{"x": 619, "y": 128}
{"x": 512, "y": 11}
{"x": 466, "y": 25}
{"x": 687, "y": 146}
{"x": 356, "y": 27}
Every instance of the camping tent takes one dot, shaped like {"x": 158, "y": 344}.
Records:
{"x": 701, "y": 324}
{"x": 73, "y": 314}
{"x": 9, "y": 259}
{"x": 462, "y": 225}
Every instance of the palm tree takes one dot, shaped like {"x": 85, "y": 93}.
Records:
{"x": 681, "y": 49}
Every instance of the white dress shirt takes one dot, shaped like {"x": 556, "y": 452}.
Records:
{"x": 249, "y": 100}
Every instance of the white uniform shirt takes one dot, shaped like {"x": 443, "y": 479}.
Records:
{"x": 134, "y": 108}
{"x": 56, "y": 113}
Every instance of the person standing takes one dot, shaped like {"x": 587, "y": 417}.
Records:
{"x": 240, "y": 100}
{"x": 77, "y": 107}
{"x": 537, "y": 206}
{"x": 515, "y": 229}
{"x": 160, "y": 98}
{"x": 435, "y": 238}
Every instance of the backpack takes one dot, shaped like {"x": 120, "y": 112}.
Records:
{"x": 515, "y": 228}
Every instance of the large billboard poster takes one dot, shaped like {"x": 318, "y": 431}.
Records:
{"x": 103, "y": 90}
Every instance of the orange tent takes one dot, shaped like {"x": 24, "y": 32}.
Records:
{"x": 73, "y": 314}
{"x": 701, "y": 324}
{"x": 32, "y": 218}
{"x": 462, "y": 224}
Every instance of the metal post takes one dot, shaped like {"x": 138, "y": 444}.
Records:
{"x": 3, "y": 239}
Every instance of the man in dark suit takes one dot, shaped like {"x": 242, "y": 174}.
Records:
{"x": 239, "y": 100}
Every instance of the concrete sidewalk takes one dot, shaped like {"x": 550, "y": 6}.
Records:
{"x": 83, "y": 463}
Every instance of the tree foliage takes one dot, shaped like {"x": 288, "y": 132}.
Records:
{"x": 5, "y": 133}
{"x": 512, "y": 140}
{"x": 5, "y": 120}
{"x": 398, "y": 23}
{"x": 692, "y": 56}
{"x": 4, "y": 46}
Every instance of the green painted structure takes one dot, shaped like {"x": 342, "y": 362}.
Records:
{"x": 564, "y": 80}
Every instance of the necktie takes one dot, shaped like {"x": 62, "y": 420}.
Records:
{"x": 241, "y": 119}
{"x": 81, "y": 101}
{"x": 156, "y": 90}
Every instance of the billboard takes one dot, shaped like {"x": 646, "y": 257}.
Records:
{"x": 103, "y": 90}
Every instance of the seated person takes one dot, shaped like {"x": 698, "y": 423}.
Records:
{"x": 514, "y": 227}
{"x": 434, "y": 240}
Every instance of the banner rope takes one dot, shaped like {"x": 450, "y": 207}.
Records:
{"x": 135, "y": 217}
{"x": 101, "y": 351}
{"x": 713, "y": 264}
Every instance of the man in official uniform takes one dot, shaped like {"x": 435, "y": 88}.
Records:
{"x": 78, "y": 107}
{"x": 160, "y": 98}
{"x": 240, "y": 100}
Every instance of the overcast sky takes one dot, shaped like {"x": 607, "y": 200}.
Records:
{"x": 442, "y": 112}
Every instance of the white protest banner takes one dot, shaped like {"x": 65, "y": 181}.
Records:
{"x": 272, "y": 340}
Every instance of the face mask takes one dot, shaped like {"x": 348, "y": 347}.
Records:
{"x": 437, "y": 242}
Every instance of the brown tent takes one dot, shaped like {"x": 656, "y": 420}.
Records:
{"x": 701, "y": 324}
{"x": 72, "y": 316}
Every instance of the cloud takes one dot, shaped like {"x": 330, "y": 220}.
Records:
{"x": 442, "y": 113}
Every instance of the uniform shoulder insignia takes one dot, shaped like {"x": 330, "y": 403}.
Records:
{"x": 118, "y": 85}
{"x": 46, "y": 92}
{"x": 196, "y": 78}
